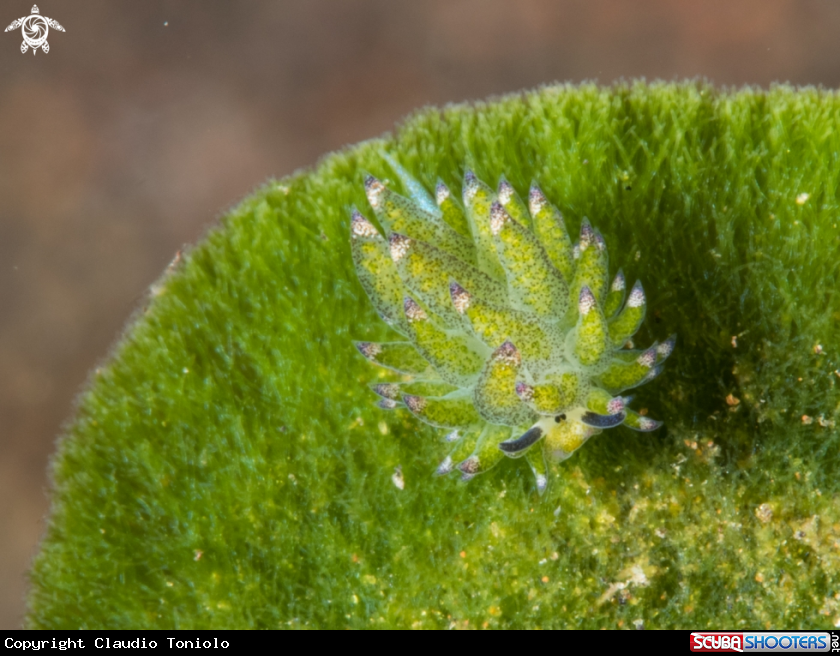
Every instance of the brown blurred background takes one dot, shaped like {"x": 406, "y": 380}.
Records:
{"x": 147, "y": 119}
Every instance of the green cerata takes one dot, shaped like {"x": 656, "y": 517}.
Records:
{"x": 516, "y": 342}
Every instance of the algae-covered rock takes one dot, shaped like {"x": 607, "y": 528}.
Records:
{"x": 227, "y": 469}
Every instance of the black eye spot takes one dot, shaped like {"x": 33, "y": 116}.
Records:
{"x": 560, "y": 417}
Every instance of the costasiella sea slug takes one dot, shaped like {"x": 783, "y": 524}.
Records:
{"x": 516, "y": 342}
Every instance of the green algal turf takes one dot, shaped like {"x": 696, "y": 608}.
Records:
{"x": 228, "y": 467}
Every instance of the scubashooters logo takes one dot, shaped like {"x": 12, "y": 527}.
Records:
{"x": 749, "y": 641}
{"x": 35, "y": 29}
{"x": 717, "y": 642}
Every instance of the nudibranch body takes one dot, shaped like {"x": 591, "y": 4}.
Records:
{"x": 516, "y": 342}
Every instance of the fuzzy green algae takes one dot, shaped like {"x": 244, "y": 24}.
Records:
{"x": 226, "y": 469}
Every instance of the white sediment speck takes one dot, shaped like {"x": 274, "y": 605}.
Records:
{"x": 397, "y": 478}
